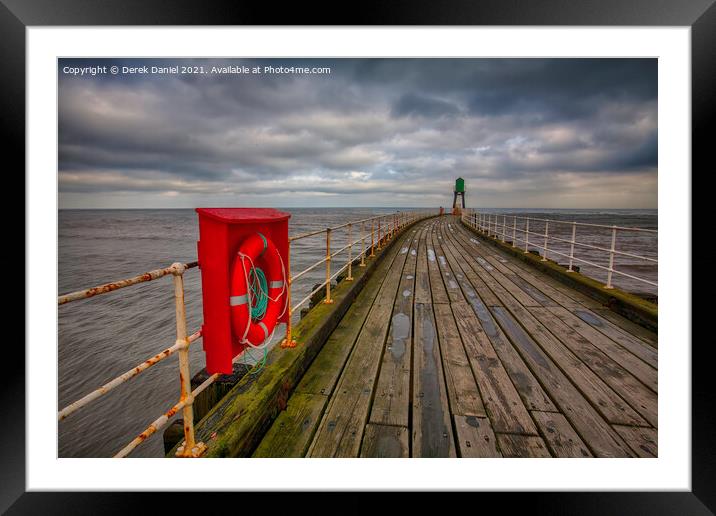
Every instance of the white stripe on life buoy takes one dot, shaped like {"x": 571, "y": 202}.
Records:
{"x": 238, "y": 300}
{"x": 265, "y": 329}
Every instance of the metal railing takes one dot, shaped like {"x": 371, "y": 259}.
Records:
{"x": 504, "y": 226}
{"x": 380, "y": 229}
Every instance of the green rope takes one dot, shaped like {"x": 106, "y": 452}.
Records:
{"x": 257, "y": 362}
{"x": 258, "y": 288}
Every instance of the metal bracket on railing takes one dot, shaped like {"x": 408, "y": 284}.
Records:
{"x": 197, "y": 451}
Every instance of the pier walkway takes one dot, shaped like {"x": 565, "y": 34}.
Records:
{"x": 456, "y": 349}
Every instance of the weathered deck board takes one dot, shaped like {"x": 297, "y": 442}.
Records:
{"x": 392, "y": 398}
{"x": 642, "y": 440}
{"x": 455, "y": 348}
{"x": 503, "y": 403}
{"x": 341, "y": 429}
{"x": 385, "y": 441}
{"x": 526, "y": 384}
{"x": 588, "y": 422}
{"x": 647, "y": 353}
{"x": 323, "y": 373}
{"x": 463, "y": 393}
{"x": 514, "y": 446}
{"x": 437, "y": 286}
{"x": 432, "y": 429}
{"x": 544, "y": 284}
{"x": 560, "y": 436}
{"x": 609, "y": 404}
{"x": 475, "y": 438}
{"x": 628, "y": 326}
{"x": 631, "y": 362}
{"x": 292, "y": 432}
{"x": 641, "y": 398}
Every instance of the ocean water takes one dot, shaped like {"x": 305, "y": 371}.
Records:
{"x": 102, "y": 337}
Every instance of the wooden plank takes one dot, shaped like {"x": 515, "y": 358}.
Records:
{"x": 322, "y": 375}
{"x": 422, "y": 280}
{"x": 635, "y": 365}
{"x": 543, "y": 283}
{"x": 504, "y": 406}
{"x": 644, "y": 441}
{"x": 526, "y": 384}
{"x": 641, "y": 398}
{"x": 432, "y": 429}
{"x": 341, "y": 429}
{"x": 450, "y": 280}
{"x": 647, "y": 353}
{"x": 628, "y": 326}
{"x": 520, "y": 295}
{"x": 437, "y": 287}
{"x": 462, "y": 389}
{"x": 559, "y": 435}
{"x": 569, "y": 296}
{"x": 596, "y": 432}
{"x": 515, "y": 446}
{"x": 533, "y": 291}
{"x": 391, "y": 405}
{"x": 294, "y": 428}
{"x": 385, "y": 441}
{"x": 475, "y": 437}
{"x": 607, "y": 402}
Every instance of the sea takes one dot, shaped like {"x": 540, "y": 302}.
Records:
{"x": 104, "y": 336}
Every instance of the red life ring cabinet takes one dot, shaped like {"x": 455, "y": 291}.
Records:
{"x": 257, "y": 257}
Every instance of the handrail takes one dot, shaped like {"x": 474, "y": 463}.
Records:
{"x": 490, "y": 224}
{"x": 190, "y": 448}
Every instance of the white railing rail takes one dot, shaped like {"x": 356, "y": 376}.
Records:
{"x": 503, "y": 226}
{"x": 379, "y": 229}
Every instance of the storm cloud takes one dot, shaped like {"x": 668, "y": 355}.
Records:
{"x": 373, "y": 132}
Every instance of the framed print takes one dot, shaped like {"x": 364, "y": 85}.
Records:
{"x": 423, "y": 251}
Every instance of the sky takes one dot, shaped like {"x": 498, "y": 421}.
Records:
{"x": 523, "y": 133}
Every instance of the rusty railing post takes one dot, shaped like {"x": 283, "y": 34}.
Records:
{"x": 611, "y": 258}
{"x": 328, "y": 299}
{"x": 571, "y": 247}
{"x": 288, "y": 341}
{"x": 190, "y": 448}
{"x": 380, "y": 246}
{"x": 350, "y": 252}
{"x": 362, "y": 244}
{"x": 546, "y": 229}
{"x": 372, "y": 237}
{"x": 527, "y": 236}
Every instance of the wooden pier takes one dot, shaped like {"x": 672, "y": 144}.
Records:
{"x": 456, "y": 349}
{"x": 451, "y": 344}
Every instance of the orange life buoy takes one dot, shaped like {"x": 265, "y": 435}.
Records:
{"x": 256, "y": 252}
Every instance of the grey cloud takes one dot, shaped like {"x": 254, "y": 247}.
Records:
{"x": 377, "y": 128}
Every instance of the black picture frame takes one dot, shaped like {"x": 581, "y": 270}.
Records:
{"x": 17, "y": 15}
